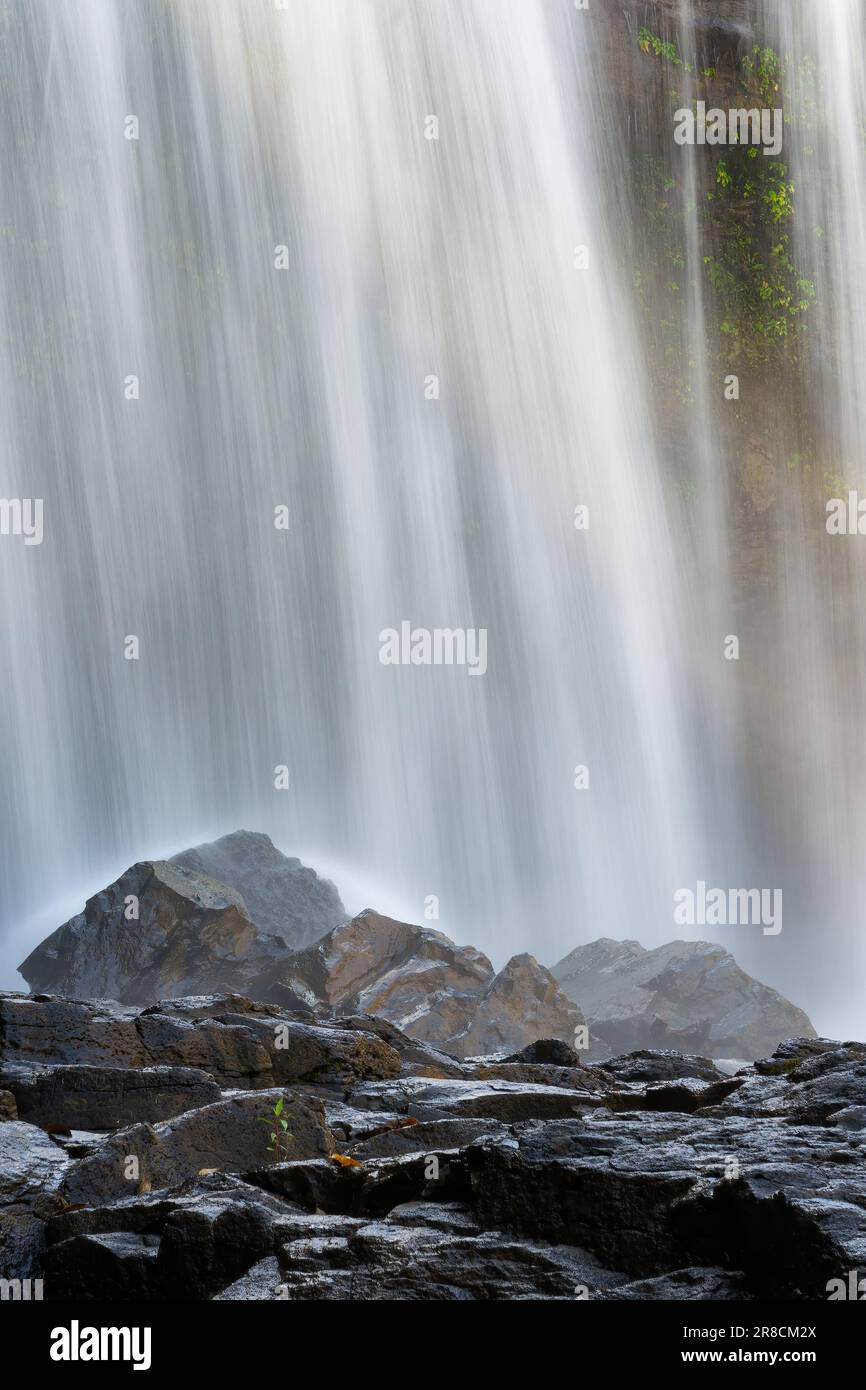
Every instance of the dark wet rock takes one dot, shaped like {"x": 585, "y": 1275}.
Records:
{"x": 782, "y": 1203}
{"x": 542, "y": 1073}
{"x": 652, "y": 1175}
{"x": 425, "y": 1136}
{"x": 30, "y": 1164}
{"x": 241, "y": 1045}
{"x": 689, "y": 1094}
{"x": 794, "y": 1051}
{"x": 852, "y": 1119}
{"x": 452, "y": 1218}
{"x": 692, "y": 1284}
{"x": 227, "y": 1136}
{"x": 8, "y": 1108}
{"x": 163, "y": 1247}
{"x": 116, "y": 1265}
{"x": 22, "y": 1242}
{"x": 499, "y": 1100}
{"x": 262, "y": 1282}
{"x": 396, "y": 1260}
{"x": 371, "y": 1188}
{"x": 689, "y": 995}
{"x": 90, "y": 1097}
{"x": 51, "y": 1030}
{"x": 660, "y": 1065}
{"x": 312, "y": 1053}
{"x": 551, "y": 1051}
{"x": 815, "y": 1102}
{"x": 147, "y": 1213}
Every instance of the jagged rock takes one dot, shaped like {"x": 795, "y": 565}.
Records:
{"x": 432, "y": 989}
{"x": 658, "y": 1198}
{"x": 452, "y": 1218}
{"x": 113, "y": 1265}
{"x": 689, "y": 995}
{"x": 424, "y": 1136}
{"x": 689, "y": 1094}
{"x": 523, "y": 1003}
{"x": 282, "y": 896}
{"x": 650, "y": 1065}
{"x": 693, "y": 1284}
{"x": 22, "y": 1242}
{"x": 413, "y": 976}
{"x": 89, "y": 1097}
{"x": 432, "y": 1261}
{"x": 370, "y": 1189}
{"x": 226, "y": 1136}
{"x": 262, "y": 1282}
{"x": 189, "y": 932}
{"x": 572, "y": 1078}
{"x": 418, "y": 1058}
{"x": 30, "y": 1164}
{"x": 256, "y": 1046}
{"x": 652, "y": 1175}
{"x": 53, "y": 1031}
{"x": 852, "y": 1119}
{"x": 499, "y": 1100}
{"x": 551, "y": 1051}
{"x": 803, "y": 1059}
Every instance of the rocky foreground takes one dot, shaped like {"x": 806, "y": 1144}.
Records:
{"x": 134, "y": 1163}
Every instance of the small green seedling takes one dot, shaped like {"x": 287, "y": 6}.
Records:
{"x": 280, "y": 1135}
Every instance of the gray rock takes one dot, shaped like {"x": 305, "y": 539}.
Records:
{"x": 688, "y": 995}
{"x": 433, "y": 990}
{"x": 522, "y": 1004}
{"x": 283, "y": 896}
{"x": 261, "y": 1283}
{"x": 782, "y": 1203}
{"x": 30, "y": 1164}
{"x": 718, "y": 1285}
{"x": 22, "y": 1241}
{"x": 372, "y": 1188}
{"x": 389, "y": 1261}
{"x": 227, "y": 1136}
{"x": 413, "y": 976}
{"x": 852, "y": 1118}
{"x": 115, "y": 1266}
{"x": 660, "y": 1065}
{"x": 424, "y": 1137}
{"x": 242, "y": 1045}
{"x": 90, "y": 1097}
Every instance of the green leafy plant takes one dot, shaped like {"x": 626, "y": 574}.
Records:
{"x": 651, "y": 43}
{"x": 280, "y": 1136}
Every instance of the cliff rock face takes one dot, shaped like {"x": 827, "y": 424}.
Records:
{"x": 431, "y": 988}
{"x": 170, "y": 928}
{"x": 689, "y": 995}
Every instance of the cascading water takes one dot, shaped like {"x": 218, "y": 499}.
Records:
{"x": 285, "y": 254}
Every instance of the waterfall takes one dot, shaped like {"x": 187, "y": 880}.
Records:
{"x": 360, "y": 265}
